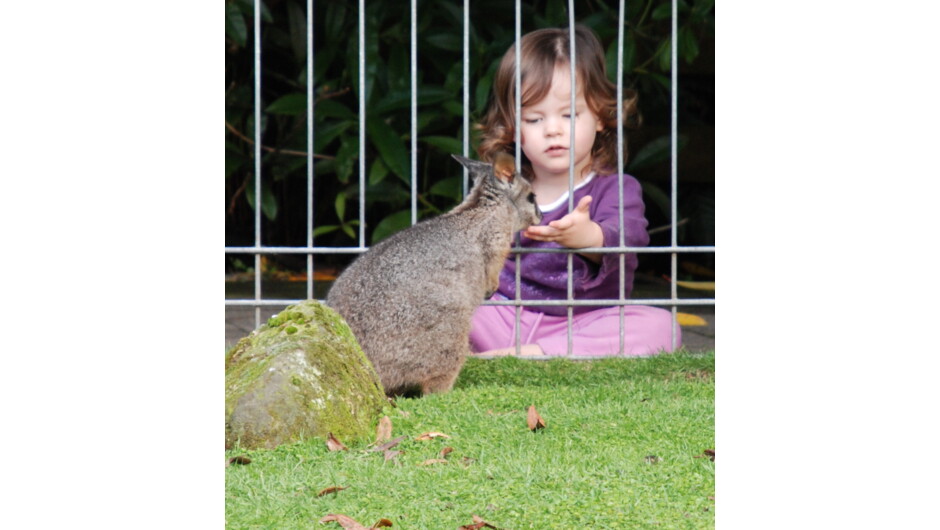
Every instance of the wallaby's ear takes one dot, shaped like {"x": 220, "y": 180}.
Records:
{"x": 472, "y": 165}
{"x": 505, "y": 167}
{"x": 478, "y": 170}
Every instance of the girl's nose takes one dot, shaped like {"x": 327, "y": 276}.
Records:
{"x": 553, "y": 127}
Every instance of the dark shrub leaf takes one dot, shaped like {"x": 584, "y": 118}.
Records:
{"x": 235, "y": 26}
{"x": 292, "y": 105}
{"x": 391, "y": 148}
{"x": 391, "y": 224}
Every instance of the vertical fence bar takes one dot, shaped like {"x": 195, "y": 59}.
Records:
{"x": 310, "y": 190}
{"x": 620, "y": 170}
{"x": 518, "y": 139}
{"x": 466, "y": 92}
{"x": 362, "y": 123}
{"x": 674, "y": 134}
{"x": 572, "y": 112}
{"x": 414, "y": 111}
{"x": 257, "y": 134}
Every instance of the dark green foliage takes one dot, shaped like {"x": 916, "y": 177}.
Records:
{"x": 388, "y": 118}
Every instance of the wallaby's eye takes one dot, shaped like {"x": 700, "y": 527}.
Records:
{"x": 531, "y": 198}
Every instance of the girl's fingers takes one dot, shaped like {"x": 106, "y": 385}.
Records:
{"x": 541, "y": 233}
{"x": 584, "y": 203}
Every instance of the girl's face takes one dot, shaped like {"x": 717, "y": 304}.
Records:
{"x": 546, "y": 128}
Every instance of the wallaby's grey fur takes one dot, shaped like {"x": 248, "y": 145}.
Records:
{"x": 410, "y": 298}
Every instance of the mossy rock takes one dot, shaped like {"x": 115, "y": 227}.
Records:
{"x": 301, "y": 375}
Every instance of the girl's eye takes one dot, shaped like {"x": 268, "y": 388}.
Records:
{"x": 531, "y": 121}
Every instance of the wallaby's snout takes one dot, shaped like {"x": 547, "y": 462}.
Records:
{"x": 518, "y": 190}
{"x": 531, "y": 213}
{"x": 528, "y": 212}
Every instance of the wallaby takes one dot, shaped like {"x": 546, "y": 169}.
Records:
{"x": 410, "y": 298}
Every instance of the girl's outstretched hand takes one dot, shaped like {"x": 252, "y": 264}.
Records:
{"x": 575, "y": 230}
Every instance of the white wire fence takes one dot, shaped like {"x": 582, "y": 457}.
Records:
{"x": 265, "y": 306}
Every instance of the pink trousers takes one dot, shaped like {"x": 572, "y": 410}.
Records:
{"x": 647, "y": 331}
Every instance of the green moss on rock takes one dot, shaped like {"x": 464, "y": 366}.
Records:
{"x": 301, "y": 375}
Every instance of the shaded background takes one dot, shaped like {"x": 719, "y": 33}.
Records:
{"x": 440, "y": 118}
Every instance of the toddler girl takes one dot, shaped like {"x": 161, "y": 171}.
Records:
{"x": 545, "y": 130}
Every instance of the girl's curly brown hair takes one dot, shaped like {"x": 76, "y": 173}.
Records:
{"x": 541, "y": 52}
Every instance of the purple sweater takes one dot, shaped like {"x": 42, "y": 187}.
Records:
{"x": 545, "y": 276}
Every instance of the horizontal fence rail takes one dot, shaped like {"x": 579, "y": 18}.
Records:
{"x": 561, "y": 303}
{"x": 355, "y": 250}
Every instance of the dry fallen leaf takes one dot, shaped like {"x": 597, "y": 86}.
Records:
{"x": 344, "y": 520}
{"x": 699, "y": 286}
{"x": 535, "y": 421}
{"x": 697, "y": 269}
{"x": 652, "y": 459}
{"x": 688, "y": 320}
{"x": 331, "y": 489}
{"x": 351, "y": 524}
{"x": 708, "y": 453}
{"x": 478, "y": 523}
{"x": 446, "y": 451}
{"x": 335, "y": 445}
{"x": 388, "y": 445}
{"x": 240, "y": 459}
{"x": 431, "y": 436}
{"x": 491, "y": 413}
{"x": 389, "y": 455}
{"x": 433, "y": 461}
{"x": 384, "y": 430}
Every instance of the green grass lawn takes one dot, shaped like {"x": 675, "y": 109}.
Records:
{"x": 622, "y": 448}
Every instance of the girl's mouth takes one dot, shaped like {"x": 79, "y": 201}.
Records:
{"x": 556, "y": 149}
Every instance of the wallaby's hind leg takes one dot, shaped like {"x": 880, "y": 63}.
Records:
{"x": 442, "y": 382}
